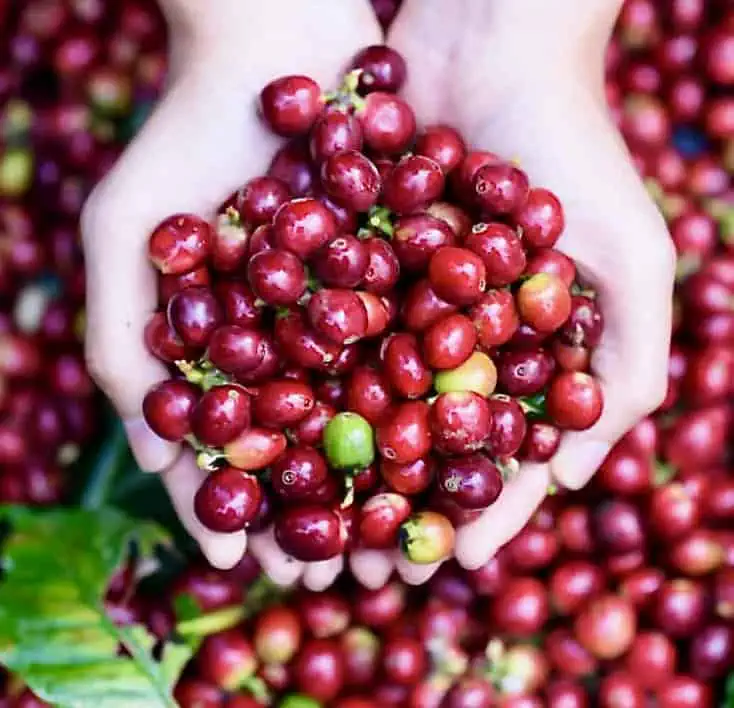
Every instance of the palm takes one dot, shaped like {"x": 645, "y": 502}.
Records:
{"x": 557, "y": 127}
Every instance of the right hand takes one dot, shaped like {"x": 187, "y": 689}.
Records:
{"x": 525, "y": 80}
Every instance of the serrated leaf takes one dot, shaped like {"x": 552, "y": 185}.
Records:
{"x": 54, "y": 631}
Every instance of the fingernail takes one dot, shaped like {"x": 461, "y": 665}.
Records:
{"x": 575, "y": 464}
{"x": 152, "y": 453}
{"x": 224, "y": 551}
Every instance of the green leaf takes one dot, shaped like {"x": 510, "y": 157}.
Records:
{"x": 663, "y": 473}
{"x": 192, "y": 623}
{"x": 533, "y": 406}
{"x": 106, "y": 468}
{"x": 54, "y": 631}
{"x": 729, "y": 696}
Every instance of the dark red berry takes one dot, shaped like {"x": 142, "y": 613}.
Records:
{"x": 574, "y": 400}
{"x": 309, "y": 533}
{"x": 167, "y": 408}
{"x": 291, "y": 104}
{"x": 460, "y": 422}
{"x": 221, "y": 414}
{"x": 194, "y": 314}
{"x": 405, "y": 436}
{"x": 342, "y": 262}
{"x": 541, "y": 218}
{"x": 339, "y": 315}
{"x": 180, "y": 243}
{"x": 351, "y": 179}
{"x": 281, "y": 403}
{"x": 500, "y": 188}
{"x": 471, "y": 481}
{"x": 298, "y": 473}
{"x": 333, "y": 132}
{"x": 443, "y": 145}
{"x": 277, "y": 277}
{"x": 388, "y": 123}
{"x": 413, "y": 183}
{"x": 383, "y": 69}
{"x": 457, "y": 275}
{"x": 227, "y": 500}
{"x": 302, "y": 226}
{"x": 417, "y": 237}
{"x": 380, "y": 519}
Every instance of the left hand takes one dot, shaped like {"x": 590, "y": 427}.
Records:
{"x": 203, "y": 141}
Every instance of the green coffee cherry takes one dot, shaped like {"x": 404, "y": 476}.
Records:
{"x": 296, "y": 700}
{"x": 349, "y": 442}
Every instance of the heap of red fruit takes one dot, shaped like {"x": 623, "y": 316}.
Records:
{"x": 71, "y": 75}
{"x": 594, "y": 631}
{"x": 368, "y": 339}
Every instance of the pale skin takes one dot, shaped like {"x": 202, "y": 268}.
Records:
{"x": 523, "y": 79}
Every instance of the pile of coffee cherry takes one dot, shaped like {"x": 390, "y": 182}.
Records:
{"x": 370, "y": 338}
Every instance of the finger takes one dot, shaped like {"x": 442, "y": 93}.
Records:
{"x": 630, "y": 363}
{"x": 121, "y": 295}
{"x": 479, "y": 540}
{"x": 281, "y": 568}
{"x": 182, "y": 480}
{"x": 319, "y": 576}
{"x": 412, "y": 573}
{"x": 372, "y": 568}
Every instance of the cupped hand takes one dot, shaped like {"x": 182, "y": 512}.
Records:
{"x": 203, "y": 141}
{"x": 525, "y": 80}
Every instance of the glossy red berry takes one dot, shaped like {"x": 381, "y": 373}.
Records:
{"x": 180, "y": 243}
{"x": 380, "y": 519}
{"x": 194, "y": 314}
{"x": 460, "y": 422}
{"x": 449, "y": 342}
{"x": 574, "y": 400}
{"x": 541, "y": 218}
{"x": 412, "y": 184}
{"x": 417, "y": 237}
{"x": 388, "y": 123}
{"x": 544, "y": 302}
{"x": 500, "y": 188}
{"x": 404, "y": 436}
{"x": 167, "y": 408}
{"x": 338, "y": 314}
{"x": 277, "y": 277}
{"x": 227, "y": 500}
{"x": 443, "y": 145}
{"x": 282, "y": 403}
{"x": 298, "y": 473}
{"x": 457, "y": 275}
{"x": 220, "y": 415}
{"x": 471, "y": 481}
{"x": 291, "y": 104}
{"x": 351, "y": 179}
{"x": 302, "y": 226}
{"x": 383, "y": 69}
{"x": 310, "y": 533}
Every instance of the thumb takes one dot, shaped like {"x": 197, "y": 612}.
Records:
{"x": 631, "y": 364}
{"x": 121, "y": 293}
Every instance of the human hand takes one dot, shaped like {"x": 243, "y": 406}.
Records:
{"x": 203, "y": 141}
{"x": 525, "y": 80}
